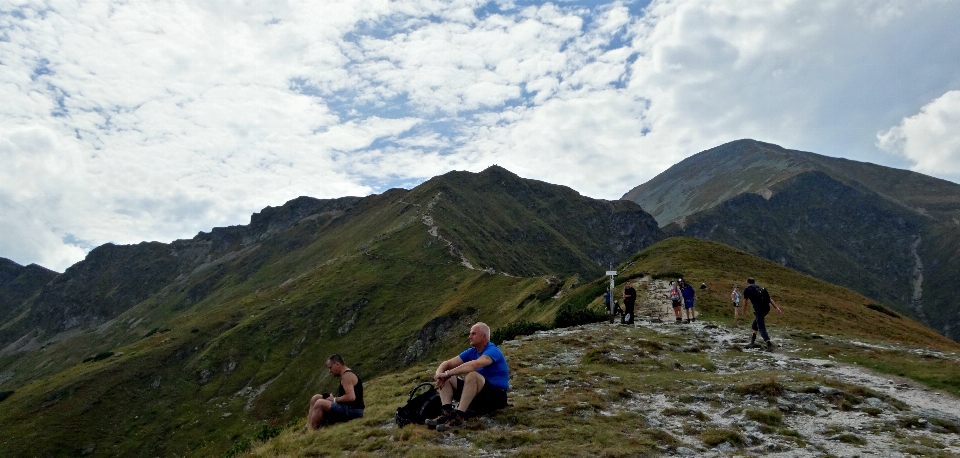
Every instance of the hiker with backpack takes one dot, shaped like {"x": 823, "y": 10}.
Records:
{"x": 761, "y": 300}
{"x": 326, "y": 409}
{"x": 689, "y": 296}
{"x": 478, "y": 379}
{"x": 675, "y": 299}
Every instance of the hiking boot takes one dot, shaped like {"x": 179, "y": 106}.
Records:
{"x": 679, "y": 320}
{"x": 454, "y": 421}
{"x": 445, "y": 412}
{"x": 693, "y": 320}
{"x": 769, "y": 346}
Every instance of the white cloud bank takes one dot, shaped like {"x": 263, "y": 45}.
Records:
{"x": 123, "y": 122}
{"x": 930, "y": 139}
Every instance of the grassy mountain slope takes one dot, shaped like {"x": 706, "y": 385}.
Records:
{"x": 887, "y": 233}
{"x": 535, "y": 228}
{"x": 239, "y": 336}
{"x": 611, "y": 390}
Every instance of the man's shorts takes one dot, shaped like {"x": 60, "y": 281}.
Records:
{"x": 688, "y": 303}
{"x": 676, "y": 304}
{"x": 489, "y": 398}
{"x": 341, "y": 412}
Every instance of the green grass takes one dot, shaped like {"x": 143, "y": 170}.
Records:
{"x": 771, "y": 417}
{"x": 182, "y": 370}
{"x": 715, "y": 437}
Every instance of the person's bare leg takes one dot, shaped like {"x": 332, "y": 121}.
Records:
{"x": 472, "y": 384}
{"x": 310, "y": 412}
{"x": 317, "y": 409}
{"x": 446, "y": 393}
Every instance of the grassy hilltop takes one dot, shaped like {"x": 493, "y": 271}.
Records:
{"x": 611, "y": 390}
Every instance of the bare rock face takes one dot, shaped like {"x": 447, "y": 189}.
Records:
{"x": 456, "y": 323}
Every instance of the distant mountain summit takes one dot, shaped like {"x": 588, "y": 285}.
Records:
{"x": 892, "y": 235}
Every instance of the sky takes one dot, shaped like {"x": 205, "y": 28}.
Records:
{"x": 150, "y": 120}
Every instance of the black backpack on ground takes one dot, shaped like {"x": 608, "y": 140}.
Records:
{"x": 420, "y": 407}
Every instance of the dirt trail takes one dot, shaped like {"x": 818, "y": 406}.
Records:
{"x": 904, "y": 418}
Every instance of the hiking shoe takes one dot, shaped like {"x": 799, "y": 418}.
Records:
{"x": 454, "y": 421}
{"x": 693, "y": 320}
{"x": 445, "y": 413}
{"x": 769, "y": 346}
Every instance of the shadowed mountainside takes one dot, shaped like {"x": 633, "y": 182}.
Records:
{"x": 19, "y": 283}
{"x": 889, "y": 234}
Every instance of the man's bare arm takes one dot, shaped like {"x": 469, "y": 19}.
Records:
{"x": 348, "y": 380}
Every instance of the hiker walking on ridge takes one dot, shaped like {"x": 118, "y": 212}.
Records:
{"x": 735, "y": 297}
{"x": 675, "y": 300}
{"x": 761, "y": 301}
{"x": 346, "y": 405}
{"x": 689, "y": 296}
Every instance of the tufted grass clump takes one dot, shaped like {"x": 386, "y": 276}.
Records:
{"x": 771, "y": 417}
{"x": 714, "y": 437}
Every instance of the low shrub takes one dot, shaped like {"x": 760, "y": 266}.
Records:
{"x": 514, "y": 330}
{"x": 883, "y": 310}
{"x": 99, "y": 356}
{"x": 570, "y": 315}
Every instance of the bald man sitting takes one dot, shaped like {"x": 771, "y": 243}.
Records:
{"x": 478, "y": 379}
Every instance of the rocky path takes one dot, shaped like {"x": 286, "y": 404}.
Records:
{"x": 870, "y": 415}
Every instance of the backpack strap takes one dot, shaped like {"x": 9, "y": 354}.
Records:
{"x": 413, "y": 392}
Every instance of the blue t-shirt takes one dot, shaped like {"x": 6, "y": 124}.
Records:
{"x": 688, "y": 293}
{"x": 496, "y": 374}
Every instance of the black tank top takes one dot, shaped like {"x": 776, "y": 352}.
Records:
{"x": 357, "y": 390}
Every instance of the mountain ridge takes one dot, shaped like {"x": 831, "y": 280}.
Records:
{"x": 885, "y": 232}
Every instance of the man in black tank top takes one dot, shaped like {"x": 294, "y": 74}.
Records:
{"x": 346, "y": 405}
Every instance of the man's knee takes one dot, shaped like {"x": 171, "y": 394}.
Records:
{"x": 321, "y": 405}
{"x": 474, "y": 377}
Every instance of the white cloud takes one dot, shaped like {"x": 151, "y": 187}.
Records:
{"x": 930, "y": 138}
{"x": 820, "y": 76}
{"x": 153, "y": 120}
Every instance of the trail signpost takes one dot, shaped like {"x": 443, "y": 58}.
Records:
{"x": 610, "y": 306}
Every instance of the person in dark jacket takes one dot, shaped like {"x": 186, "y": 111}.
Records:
{"x": 629, "y": 301}
{"x": 761, "y": 307}
{"x": 689, "y": 296}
